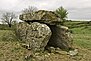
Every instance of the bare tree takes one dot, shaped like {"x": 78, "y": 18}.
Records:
{"x": 8, "y": 18}
{"x": 30, "y": 9}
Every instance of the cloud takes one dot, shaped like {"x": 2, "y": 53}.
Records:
{"x": 8, "y": 4}
{"x": 78, "y": 9}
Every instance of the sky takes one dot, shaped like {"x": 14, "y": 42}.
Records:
{"x": 77, "y": 9}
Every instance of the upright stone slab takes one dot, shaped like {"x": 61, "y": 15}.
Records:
{"x": 60, "y": 37}
{"x": 35, "y": 34}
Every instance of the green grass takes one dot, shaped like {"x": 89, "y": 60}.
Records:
{"x": 82, "y": 40}
{"x": 2, "y": 32}
{"x": 4, "y": 27}
{"x": 81, "y": 34}
{"x": 11, "y": 50}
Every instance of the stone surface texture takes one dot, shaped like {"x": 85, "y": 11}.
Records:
{"x": 61, "y": 37}
{"x": 47, "y": 17}
{"x": 44, "y": 29}
{"x": 35, "y": 34}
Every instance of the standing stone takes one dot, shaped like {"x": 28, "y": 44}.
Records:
{"x": 60, "y": 37}
{"x": 35, "y": 34}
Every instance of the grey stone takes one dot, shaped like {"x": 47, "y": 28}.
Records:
{"x": 73, "y": 52}
{"x": 61, "y": 52}
{"x": 60, "y": 37}
{"x": 35, "y": 35}
{"x": 35, "y": 31}
{"x": 42, "y": 16}
{"x": 51, "y": 49}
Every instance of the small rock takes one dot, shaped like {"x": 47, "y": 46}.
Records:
{"x": 25, "y": 45}
{"x": 51, "y": 49}
{"x": 73, "y": 52}
{"x": 61, "y": 52}
{"x": 46, "y": 55}
{"x": 49, "y": 54}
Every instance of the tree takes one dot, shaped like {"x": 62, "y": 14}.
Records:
{"x": 8, "y": 18}
{"x": 62, "y": 13}
{"x": 30, "y": 9}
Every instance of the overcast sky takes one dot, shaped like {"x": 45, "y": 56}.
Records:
{"x": 78, "y": 9}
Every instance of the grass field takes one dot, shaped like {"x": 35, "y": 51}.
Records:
{"x": 81, "y": 32}
{"x": 10, "y": 49}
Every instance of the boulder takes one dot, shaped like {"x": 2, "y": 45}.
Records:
{"x": 35, "y": 35}
{"x": 47, "y": 17}
{"x": 61, "y": 37}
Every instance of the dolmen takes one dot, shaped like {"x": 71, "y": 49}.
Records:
{"x": 43, "y": 29}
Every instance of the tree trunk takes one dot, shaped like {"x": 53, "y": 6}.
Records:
{"x": 9, "y": 25}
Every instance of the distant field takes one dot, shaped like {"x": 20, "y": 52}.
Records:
{"x": 81, "y": 32}
{"x": 10, "y": 50}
